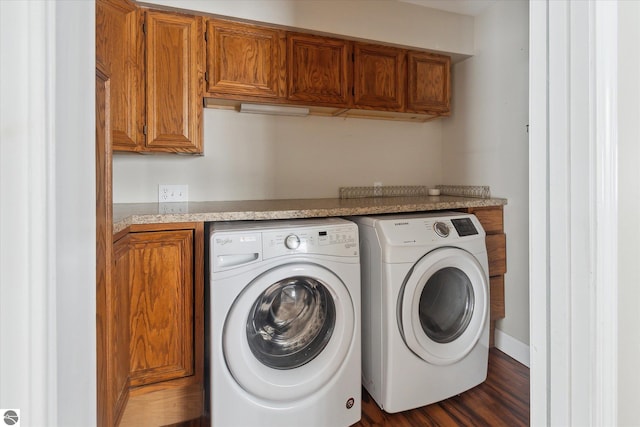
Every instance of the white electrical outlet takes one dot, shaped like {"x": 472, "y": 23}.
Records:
{"x": 173, "y": 193}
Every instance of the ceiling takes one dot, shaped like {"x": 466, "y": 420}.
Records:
{"x": 463, "y": 7}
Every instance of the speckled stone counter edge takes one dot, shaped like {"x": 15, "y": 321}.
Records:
{"x": 127, "y": 214}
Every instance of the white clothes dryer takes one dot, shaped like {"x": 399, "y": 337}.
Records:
{"x": 284, "y": 323}
{"x": 425, "y": 305}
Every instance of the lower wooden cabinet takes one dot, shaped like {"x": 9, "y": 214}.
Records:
{"x": 492, "y": 221}
{"x": 159, "y": 270}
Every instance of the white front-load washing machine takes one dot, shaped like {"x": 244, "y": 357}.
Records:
{"x": 284, "y": 323}
{"x": 425, "y": 304}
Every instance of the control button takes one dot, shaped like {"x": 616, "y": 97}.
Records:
{"x": 441, "y": 228}
{"x": 292, "y": 241}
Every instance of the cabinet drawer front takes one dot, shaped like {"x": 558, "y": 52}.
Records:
{"x": 497, "y": 253}
{"x": 244, "y": 59}
{"x": 490, "y": 218}
{"x": 161, "y": 306}
{"x": 318, "y": 69}
{"x": 497, "y": 297}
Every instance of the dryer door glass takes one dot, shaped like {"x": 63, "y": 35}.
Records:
{"x": 291, "y": 322}
{"x": 446, "y": 305}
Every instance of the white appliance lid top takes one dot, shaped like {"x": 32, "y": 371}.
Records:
{"x": 278, "y": 224}
{"x": 371, "y": 220}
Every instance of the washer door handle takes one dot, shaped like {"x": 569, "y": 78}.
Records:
{"x": 236, "y": 259}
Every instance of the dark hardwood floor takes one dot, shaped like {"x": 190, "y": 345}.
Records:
{"x": 502, "y": 400}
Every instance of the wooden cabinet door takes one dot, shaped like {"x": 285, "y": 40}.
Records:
{"x": 379, "y": 77}
{"x": 112, "y": 310}
{"x": 161, "y": 293}
{"x": 164, "y": 311}
{"x": 429, "y": 85}
{"x": 245, "y": 60}
{"x": 318, "y": 70}
{"x": 117, "y": 329}
{"x": 174, "y": 82}
{"x": 119, "y": 52}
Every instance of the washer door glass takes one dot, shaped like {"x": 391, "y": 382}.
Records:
{"x": 291, "y": 322}
{"x": 444, "y": 305}
{"x": 289, "y": 331}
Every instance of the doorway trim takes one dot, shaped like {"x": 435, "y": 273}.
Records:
{"x": 573, "y": 212}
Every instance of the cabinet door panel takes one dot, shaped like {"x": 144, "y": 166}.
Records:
{"x": 112, "y": 268}
{"x": 379, "y": 77}
{"x": 174, "y": 82}
{"x": 429, "y": 83}
{"x": 161, "y": 306}
{"x": 119, "y": 50}
{"x": 318, "y": 69}
{"x": 244, "y": 59}
{"x": 118, "y": 336}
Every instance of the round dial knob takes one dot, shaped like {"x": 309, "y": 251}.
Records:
{"x": 292, "y": 241}
{"x": 441, "y": 228}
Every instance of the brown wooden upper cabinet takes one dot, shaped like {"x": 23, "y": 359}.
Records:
{"x": 174, "y": 74}
{"x": 245, "y": 60}
{"x": 429, "y": 85}
{"x": 253, "y": 63}
{"x": 319, "y": 70}
{"x": 154, "y": 61}
{"x": 379, "y": 77}
{"x": 119, "y": 49}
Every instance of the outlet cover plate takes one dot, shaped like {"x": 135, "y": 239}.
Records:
{"x": 173, "y": 193}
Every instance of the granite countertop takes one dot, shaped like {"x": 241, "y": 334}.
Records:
{"x": 126, "y": 214}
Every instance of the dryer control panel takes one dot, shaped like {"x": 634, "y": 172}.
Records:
{"x": 427, "y": 230}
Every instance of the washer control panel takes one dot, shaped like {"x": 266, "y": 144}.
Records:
{"x": 441, "y": 228}
{"x": 235, "y": 244}
{"x": 292, "y": 241}
{"x": 335, "y": 240}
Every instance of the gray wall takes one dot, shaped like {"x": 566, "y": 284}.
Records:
{"x": 486, "y": 142}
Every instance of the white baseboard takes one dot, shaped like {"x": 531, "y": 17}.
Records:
{"x": 512, "y": 347}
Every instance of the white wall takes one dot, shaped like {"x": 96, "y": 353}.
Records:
{"x": 629, "y": 212}
{"x": 261, "y": 157}
{"x": 249, "y": 156}
{"x": 387, "y": 21}
{"x": 75, "y": 201}
{"x": 47, "y": 216}
{"x": 485, "y": 141}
